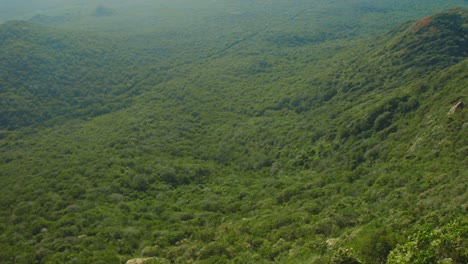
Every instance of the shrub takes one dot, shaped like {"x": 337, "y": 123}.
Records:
{"x": 447, "y": 244}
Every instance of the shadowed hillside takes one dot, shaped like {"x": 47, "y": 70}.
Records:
{"x": 49, "y": 73}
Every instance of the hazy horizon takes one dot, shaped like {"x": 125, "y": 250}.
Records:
{"x": 163, "y": 14}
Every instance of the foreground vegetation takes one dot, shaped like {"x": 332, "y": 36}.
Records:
{"x": 277, "y": 148}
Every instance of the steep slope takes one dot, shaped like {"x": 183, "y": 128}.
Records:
{"x": 253, "y": 160}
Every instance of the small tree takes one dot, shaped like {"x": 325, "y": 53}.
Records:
{"x": 441, "y": 245}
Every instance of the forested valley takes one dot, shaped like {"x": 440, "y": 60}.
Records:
{"x": 235, "y": 132}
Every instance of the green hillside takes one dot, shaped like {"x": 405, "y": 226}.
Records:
{"x": 282, "y": 147}
{"x": 48, "y": 73}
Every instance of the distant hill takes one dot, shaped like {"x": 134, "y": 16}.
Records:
{"x": 330, "y": 152}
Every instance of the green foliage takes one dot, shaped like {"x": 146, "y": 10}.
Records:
{"x": 446, "y": 244}
{"x": 282, "y": 144}
{"x": 344, "y": 256}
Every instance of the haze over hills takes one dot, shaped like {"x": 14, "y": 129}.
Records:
{"x": 280, "y": 140}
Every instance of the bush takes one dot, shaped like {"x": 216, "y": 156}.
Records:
{"x": 447, "y": 244}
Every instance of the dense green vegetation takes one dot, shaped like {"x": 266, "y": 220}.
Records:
{"x": 289, "y": 143}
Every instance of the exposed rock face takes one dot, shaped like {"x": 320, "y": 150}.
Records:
{"x": 139, "y": 260}
{"x": 421, "y": 23}
{"x": 147, "y": 260}
{"x": 458, "y": 106}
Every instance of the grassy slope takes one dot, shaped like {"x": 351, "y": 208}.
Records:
{"x": 300, "y": 154}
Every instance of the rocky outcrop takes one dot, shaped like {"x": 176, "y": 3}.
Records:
{"x": 147, "y": 260}
{"x": 457, "y": 107}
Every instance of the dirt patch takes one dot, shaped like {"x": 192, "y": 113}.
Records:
{"x": 421, "y": 23}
